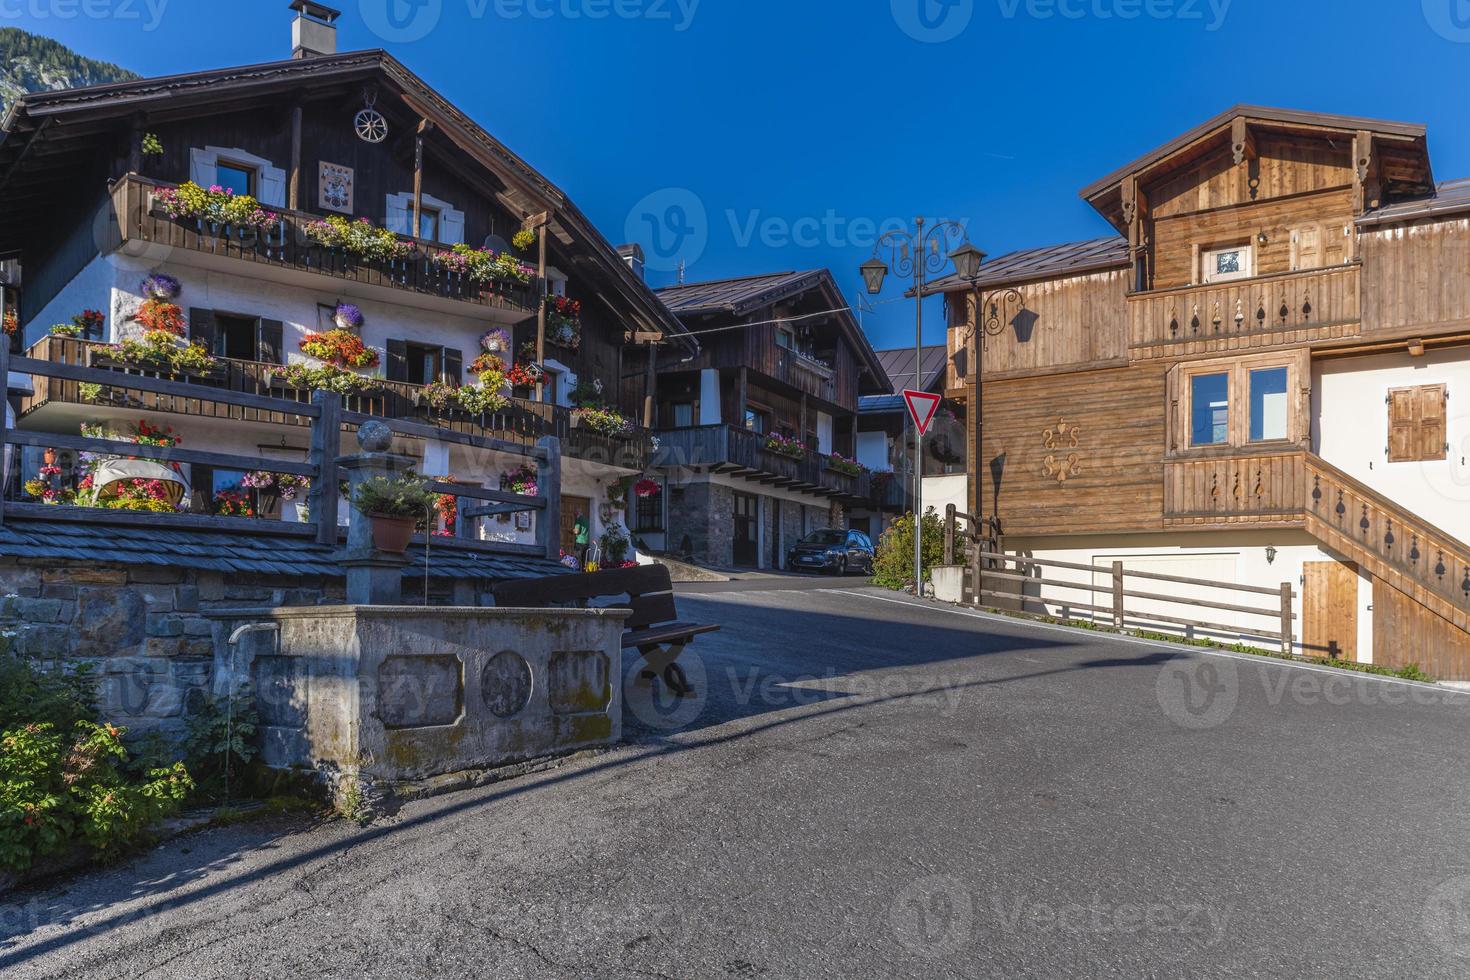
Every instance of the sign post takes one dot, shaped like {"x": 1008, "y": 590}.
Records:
{"x": 922, "y": 407}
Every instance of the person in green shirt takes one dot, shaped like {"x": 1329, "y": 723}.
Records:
{"x": 579, "y": 535}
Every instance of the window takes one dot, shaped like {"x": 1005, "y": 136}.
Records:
{"x": 1416, "y": 424}
{"x": 422, "y": 364}
{"x": 1240, "y": 402}
{"x": 429, "y": 224}
{"x": 1209, "y": 401}
{"x": 784, "y": 338}
{"x": 236, "y": 177}
{"x": 236, "y": 337}
{"x": 1268, "y": 404}
{"x": 425, "y": 364}
{"x": 1225, "y": 264}
{"x": 683, "y": 416}
{"x": 757, "y": 421}
{"x": 649, "y": 514}
{"x": 438, "y": 220}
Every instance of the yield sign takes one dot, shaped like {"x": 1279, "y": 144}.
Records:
{"x": 922, "y": 406}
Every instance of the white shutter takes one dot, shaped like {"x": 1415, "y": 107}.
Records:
{"x": 272, "y": 187}
{"x": 397, "y": 216}
{"x": 451, "y": 226}
{"x": 204, "y": 166}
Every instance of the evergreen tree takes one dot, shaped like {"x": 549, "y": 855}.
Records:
{"x": 31, "y": 63}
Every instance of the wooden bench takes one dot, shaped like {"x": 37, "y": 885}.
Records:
{"x": 654, "y": 629}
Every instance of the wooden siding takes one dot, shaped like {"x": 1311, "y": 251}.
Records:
{"x": 1275, "y": 311}
{"x": 1284, "y": 168}
{"x": 1266, "y": 489}
{"x": 1406, "y": 632}
{"x": 1417, "y": 277}
{"x": 1115, "y": 484}
{"x": 1178, "y": 240}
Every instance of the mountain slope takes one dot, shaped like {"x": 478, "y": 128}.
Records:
{"x": 31, "y": 63}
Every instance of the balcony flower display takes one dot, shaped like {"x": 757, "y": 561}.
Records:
{"x": 361, "y": 238}
{"x": 842, "y": 464}
{"x": 10, "y": 323}
{"x": 46, "y": 486}
{"x": 523, "y": 375}
{"x": 588, "y": 394}
{"x": 283, "y": 485}
{"x": 785, "y": 446}
{"x": 523, "y": 239}
{"x": 233, "y": 503}
{"x": 161, "y": 350}
{"x": 447, "y": 504}
{"x": 564, "y": 322}
{"x": 604, "y": 421}
{"x": 160, "y": 287}
{"x": 646, "y": 488}
{"x": 217, "y": 205}
{"x": 496, "y": 341}
{"x": 89, "y": 321}
{"x": 483, "y": 265}
{"x": 486, "y": 397}
{"x": 340, "y": 348}
{"x": 161, "y": 316}
{"x": 65, "y": 330}
{"x": 348, "y": 317}
{"x": 326, "y": 378}
{"x": 487, "y": 364}
{"x": 521, "y": 480}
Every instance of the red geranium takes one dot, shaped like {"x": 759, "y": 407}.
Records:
{"x": 339, "y": 348}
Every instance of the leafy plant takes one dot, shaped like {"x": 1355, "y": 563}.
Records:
{"x": 893, "y": 565}
{"x": 218, "y": 205}
{"x": 522, "y": 480}
{"x": 604, "y": 421}
{"x": 843, "y": 464}
{"x": 162, "y": 351}
{"x": 614, "y": 544}
{"x": 65, "y": 330}
{"x": 484, "y": 397}
{"x": 361, "y": 238}
{"x": 217, "y": 736}
{"x": 151, "y": 145}
{"x": 523, "y": 239}
{"x": 483, "y": 265}
{"x": 785, "y": 446}
{"x": 403, "y": 496}
{"x": 325, "y": 378}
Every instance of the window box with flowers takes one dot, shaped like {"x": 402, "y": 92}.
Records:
{"x": 603, "y": 421}
{"x": 340, "y": 348}
{"x": 162, "y": 352}
{"x": 215, "y": 209}
{"x": 482, "y": 265}
{"x": 522, "y": 480}
{"x": 564, "y": 322}
{"x": 839, "y": 463}
{"x": 786, "y": 446}
{"x": 300, "y": 377}
{"x": 274, "y": 488}
{"x": 359, "y": 239}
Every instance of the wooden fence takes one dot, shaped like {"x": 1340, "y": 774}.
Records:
{"x": 327, "y": 420}
{"x": 993, "y": 565}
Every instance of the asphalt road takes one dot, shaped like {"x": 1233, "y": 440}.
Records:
{"x": 867, "y": 787}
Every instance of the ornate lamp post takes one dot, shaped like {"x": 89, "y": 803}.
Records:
{"x": 988, "y": 323}
{"x": 919, "y": 255}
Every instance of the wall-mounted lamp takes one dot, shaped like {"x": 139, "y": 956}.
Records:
{"x": 1271, "y": 554}
{"x": 1261, "y": 236}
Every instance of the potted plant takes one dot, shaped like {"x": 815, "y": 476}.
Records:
{"x": 348, "y": 317}
{"x": 395, "y": 505}
{"x": 160, "y": 287}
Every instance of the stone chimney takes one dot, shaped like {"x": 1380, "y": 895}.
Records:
{"x": 633, "y": 255}
{"x": 314, "y": 31}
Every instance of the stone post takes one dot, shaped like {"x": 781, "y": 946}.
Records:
{"x": 374, "y": 578}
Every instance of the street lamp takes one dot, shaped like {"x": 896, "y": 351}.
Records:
{"x": 917, "y": 255}
{"x": 989, "y": 322}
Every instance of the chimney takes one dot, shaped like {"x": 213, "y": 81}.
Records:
{"x": 314, "y": 31}
{"x": 633, "y": 255}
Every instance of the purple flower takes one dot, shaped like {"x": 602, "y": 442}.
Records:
{"x": 349, "y": 316}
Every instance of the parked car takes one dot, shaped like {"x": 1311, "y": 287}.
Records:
{"x": 837, "y": 552}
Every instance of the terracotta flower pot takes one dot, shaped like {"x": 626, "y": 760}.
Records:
{"x": 392, "y": 534}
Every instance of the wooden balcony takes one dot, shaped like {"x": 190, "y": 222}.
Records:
{"x": 522, "y": 423}
{"x": 288, "y": 249}
{"x": 737, "y": 452}
{"x": 806, "y": 374}
{"x": 1260, "y": 490}
{"x": 1262, "y": 312}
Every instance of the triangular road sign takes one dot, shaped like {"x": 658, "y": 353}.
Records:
{"x": 922, "y": 406}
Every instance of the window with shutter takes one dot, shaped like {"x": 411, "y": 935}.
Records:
{"x": 271, "y": 342}
{"x": 397, "y": 360}
{"x": 453, "y": 366}
{"x": 203, "y": 330}
{"x": 1416, "y": 424}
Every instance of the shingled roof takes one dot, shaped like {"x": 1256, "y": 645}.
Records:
{"x": 234, "y": 553}
{"x": 1451, "y": 197}
{"x": 1073, "y": 258}
{"x": 899, "y": 363}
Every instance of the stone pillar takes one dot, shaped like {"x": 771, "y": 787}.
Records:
{"x": 374, "y": 578}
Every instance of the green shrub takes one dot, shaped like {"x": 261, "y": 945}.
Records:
{"x": 893, "y": 566}
{"x": 404, "y": 496}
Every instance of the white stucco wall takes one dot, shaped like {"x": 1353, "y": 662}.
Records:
{"x": 872, "y": 450}
{"x": 1235, "y": 557}
{"x": 940, "y": 491}
{"x": 824, "y": 433}
{"x": 709, "y": 398}
{"x": 1350, "y": 430}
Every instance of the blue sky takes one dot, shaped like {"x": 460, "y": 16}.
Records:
{"x": 762, "y": 135}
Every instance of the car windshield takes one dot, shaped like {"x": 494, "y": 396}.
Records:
{"x": 825, "y": 537}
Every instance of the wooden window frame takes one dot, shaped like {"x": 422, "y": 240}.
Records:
{"x": 1206, "y": 254}
{"x": 1180, "y": 414}
{"x": 250, "y": 170}
{"x": 1422, "y": 443}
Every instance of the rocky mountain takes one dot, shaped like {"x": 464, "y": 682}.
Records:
{"x": 31, "y": 63}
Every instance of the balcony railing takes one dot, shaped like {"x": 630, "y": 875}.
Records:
{"x": 742, "y": 453}
{"x": 1288, "y": 308}
{"x": 288, "y": 247}
{"x": 522, "y": 423}
{"x": 806, "y": 374}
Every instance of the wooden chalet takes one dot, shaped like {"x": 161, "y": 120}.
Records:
{"x": 762, "y": 424}
{"x": 1252, "y": 381}
{"x": 84, "y": 178}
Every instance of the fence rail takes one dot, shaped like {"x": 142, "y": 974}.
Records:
{"x": 986, "y": 563}
{"x": 326, "y": 418}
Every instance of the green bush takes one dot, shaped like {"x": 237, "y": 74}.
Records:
{"x": 893, "y": 567}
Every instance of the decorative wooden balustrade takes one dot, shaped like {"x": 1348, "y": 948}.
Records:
{"x": 806, "y": 374}
{"x": 287, "y": 247}
{"x": 741, "y": 453}
{"x": 1299, "y": 489}
{"x": 522, "y": 423}
{"x": 323, "y": 413}
{"x": 1265, "y": 311}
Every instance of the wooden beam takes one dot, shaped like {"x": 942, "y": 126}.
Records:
{"x": 1242, "y": 141}
{"x": 418, "y": 177}
{"x": 294, "y": 190}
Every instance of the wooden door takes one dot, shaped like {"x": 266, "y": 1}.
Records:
{"x": 747, "y": 530}
{"x": 1330, "y": 610}
{"x": 571, "y": 509}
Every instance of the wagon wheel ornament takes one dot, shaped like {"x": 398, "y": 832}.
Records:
{"x": 369, "y": 122}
